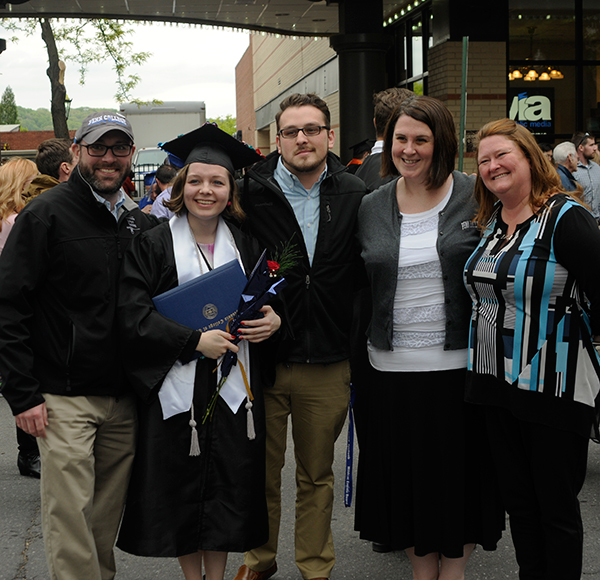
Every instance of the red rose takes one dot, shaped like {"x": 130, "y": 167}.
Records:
{"x": 273, "y": 266}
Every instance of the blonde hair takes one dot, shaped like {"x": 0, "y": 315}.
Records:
{"x": 14, "y": 176}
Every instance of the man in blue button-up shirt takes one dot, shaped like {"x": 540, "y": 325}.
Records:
{"x": 303, "y": 195}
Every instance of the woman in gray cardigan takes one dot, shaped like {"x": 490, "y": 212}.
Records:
{"x": 424, "y": 471}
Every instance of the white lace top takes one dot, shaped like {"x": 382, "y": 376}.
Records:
{"x": 419, "y": 312}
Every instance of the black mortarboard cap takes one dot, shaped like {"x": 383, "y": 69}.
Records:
{"x": 209, "y": 144}
{"x": 365, "y": 145}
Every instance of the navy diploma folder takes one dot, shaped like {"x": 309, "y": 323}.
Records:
{"x": 207, "y": 302}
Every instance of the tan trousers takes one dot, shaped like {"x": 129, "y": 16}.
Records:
{"x": 86, "y": 463}
{"x": 316, "y": 396}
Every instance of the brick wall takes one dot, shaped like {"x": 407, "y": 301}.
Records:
{"x": 486, "y": 83}
{"x": 270, "y": 66}
{"x": 280, "y": 62}
{"x": 244, "y": 88}
{"x": 25, "y": 140}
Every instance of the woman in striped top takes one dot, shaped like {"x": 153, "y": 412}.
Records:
{"x": 535, "y": 284}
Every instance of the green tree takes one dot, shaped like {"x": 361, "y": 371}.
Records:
{"x": 8, "y": 108}
{"x": 227, "y": 124}
{"x": 83, "y": 42}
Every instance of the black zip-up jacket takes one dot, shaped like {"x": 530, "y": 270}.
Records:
{"x": 318, "y": 298}
{"x": 58, "y": 296}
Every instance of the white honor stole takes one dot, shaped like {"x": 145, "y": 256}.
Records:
{"x": 177, "y": 390}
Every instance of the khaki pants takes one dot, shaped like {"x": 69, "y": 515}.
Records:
{"x": 316, "y": 396}
{"x": 86, "y": 463}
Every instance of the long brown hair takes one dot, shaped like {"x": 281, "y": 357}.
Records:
{"x": 545, "y": 180}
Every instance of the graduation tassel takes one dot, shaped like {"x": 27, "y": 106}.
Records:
{"x": 249, "y": 398}
{"x": 250, "y": 417}
{"x": 195, "y": 444}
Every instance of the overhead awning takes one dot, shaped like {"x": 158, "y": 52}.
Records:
{"x": 300, "y": 17}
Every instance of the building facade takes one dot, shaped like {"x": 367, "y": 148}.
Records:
{"x": 538, "y": 63}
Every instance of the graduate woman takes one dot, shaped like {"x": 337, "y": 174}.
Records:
{"x": 185, "y": 502}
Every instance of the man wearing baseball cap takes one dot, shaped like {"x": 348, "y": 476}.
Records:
{"x": 59, "y": 354}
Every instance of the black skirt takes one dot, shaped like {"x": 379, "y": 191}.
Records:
{"x": 425, "y": 476}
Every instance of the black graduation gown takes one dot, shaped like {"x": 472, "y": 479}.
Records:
{"x": 178, "y": 504}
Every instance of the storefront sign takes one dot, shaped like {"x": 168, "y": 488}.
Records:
{"x": 534, "y": 109}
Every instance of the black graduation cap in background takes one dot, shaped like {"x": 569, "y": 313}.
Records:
{"x": 209, "y": 144}
{"x": 365, "y": 145}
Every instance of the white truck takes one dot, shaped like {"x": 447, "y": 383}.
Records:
{"x": 154, "y": 124}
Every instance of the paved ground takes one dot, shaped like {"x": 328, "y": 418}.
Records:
{"x": 22, "y": 554}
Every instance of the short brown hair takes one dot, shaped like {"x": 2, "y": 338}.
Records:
{"x": 51, "y": 153}
{"x": 437, "y": 117}
{"x": 544, "y": 178}
{"x": 580, "y": 137}
{"x": 177, "y": 205}
{"x": 303, "y": 100}
{"x": 384, "y": 103}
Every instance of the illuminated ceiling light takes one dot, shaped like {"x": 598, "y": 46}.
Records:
{"x": 556, "y": 75}
{"x": 544, "y": 77}
{"x": 517, "y": 74}
{"x": 548, "y": 16}
{"x": 531, "y": 76}
{"x": 402, "y": 12}
{"x": 396, "y": 17}
{"x": 510, "y": 76}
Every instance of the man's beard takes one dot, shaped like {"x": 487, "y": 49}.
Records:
{"x": 304, "y": 167}
{"x": 101, "y": 187}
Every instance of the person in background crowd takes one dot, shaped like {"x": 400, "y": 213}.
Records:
{"x": 588, "y": 171}
{"x": 152, "y": 192}
{"x": 195, "y": 506}
{"x": 301, "y": 195}
{"x": 547, "y": 151}
{"x": 565, "y": 157}
{"x": 425, "y": 478}
{"x": 360, "y": 152}
{"x": 165, "y": 175}
{"x": 15, "y": 176}
{"x": 535, "y": 284}
{"x": 60, "y": 357}
{"x": 128, "y": 185}
{"x": 384, "y": 104}
{"x": 55, "y": 162}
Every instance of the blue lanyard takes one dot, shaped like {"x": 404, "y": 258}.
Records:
{"x": 349, "y": 450}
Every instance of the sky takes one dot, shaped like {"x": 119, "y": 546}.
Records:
{"x": 187, "y": 64}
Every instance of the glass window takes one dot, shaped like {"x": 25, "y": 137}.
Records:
{"x": 591, "y": 99}
{"x": 591, "y": 30}
{"x": 540, "y": 32}
{"x": 416, "y": 30}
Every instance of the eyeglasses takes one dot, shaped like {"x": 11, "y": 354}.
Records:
{"x": 309, "y": 131}
{"x": 99, "y": 150}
